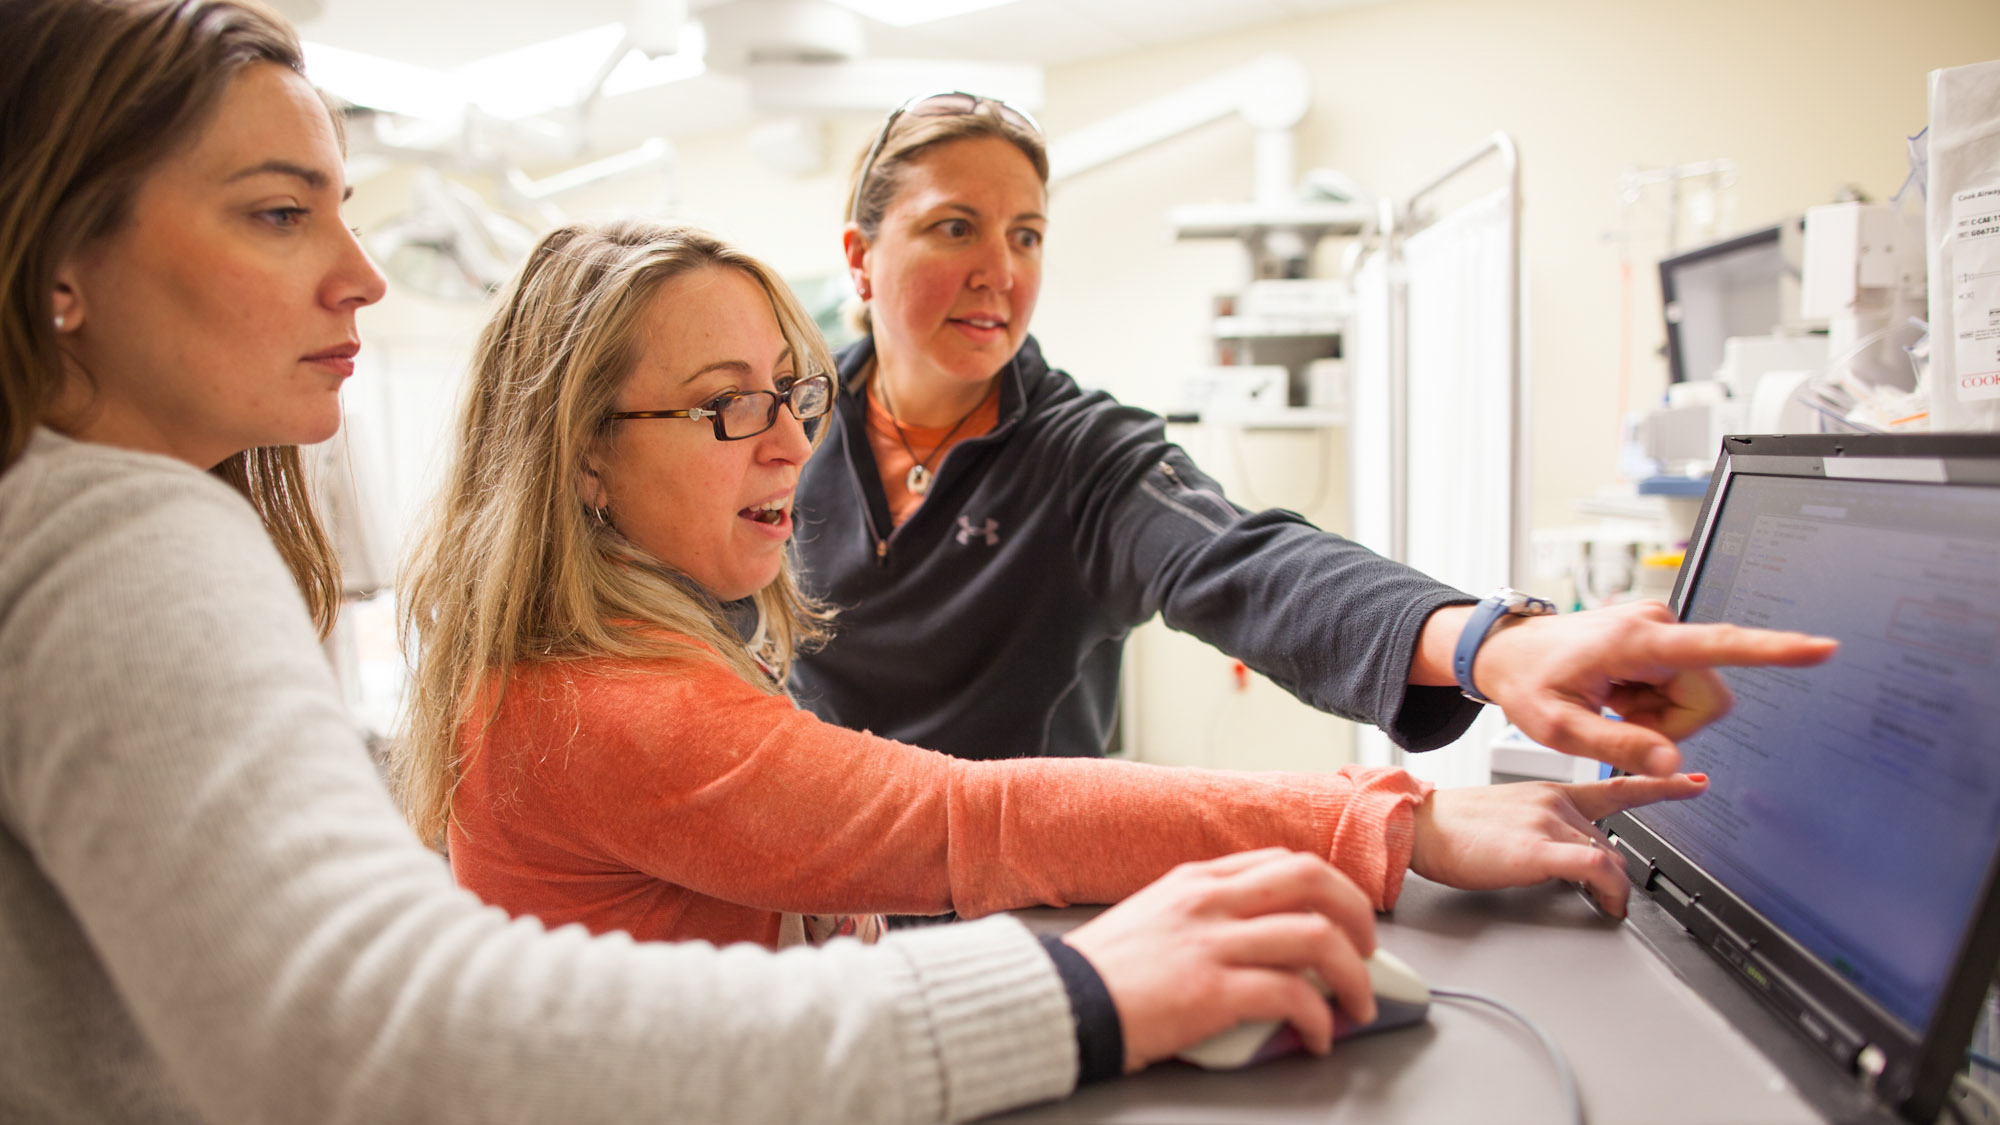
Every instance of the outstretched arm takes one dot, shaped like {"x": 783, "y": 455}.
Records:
{"x": 682, "y": 774}
{"x": 1555, "y": 675}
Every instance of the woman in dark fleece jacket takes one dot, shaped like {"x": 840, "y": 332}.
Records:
{"x": 990, "y": 532}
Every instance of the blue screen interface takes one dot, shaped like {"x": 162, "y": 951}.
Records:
{"x": 1855, "y": 805}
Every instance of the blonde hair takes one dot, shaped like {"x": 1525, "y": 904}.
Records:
{"x": 93, "y": 96}
{"x": 910, "y": 138}
{"x": 511, "y": 566}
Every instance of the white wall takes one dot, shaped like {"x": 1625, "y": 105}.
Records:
{"x": 1804, "y": 95}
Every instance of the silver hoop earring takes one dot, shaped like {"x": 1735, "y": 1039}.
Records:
{"x": 603, "y": 520}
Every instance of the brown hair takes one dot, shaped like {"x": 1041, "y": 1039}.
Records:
{"x": 909, "y": 138}
{"x": 510, "y": 565}
{"x": 94, "y": 94}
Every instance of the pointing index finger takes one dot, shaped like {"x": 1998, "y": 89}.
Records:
{"x": 1707, "y": 646}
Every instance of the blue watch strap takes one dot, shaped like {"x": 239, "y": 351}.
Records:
{"x": 1503, "y": 602}
{"x": 1490, "y": 609}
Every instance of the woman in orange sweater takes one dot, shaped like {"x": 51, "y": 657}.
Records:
{"x": 599, "y": 743}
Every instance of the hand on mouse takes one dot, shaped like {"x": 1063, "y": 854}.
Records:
{"x": 1212, "y": 944}
{"x": 1516, "y": 835}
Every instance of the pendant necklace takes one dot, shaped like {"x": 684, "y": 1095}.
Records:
{"x": 918, "y": 480}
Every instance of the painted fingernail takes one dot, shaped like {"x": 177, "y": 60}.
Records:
{"x": 1701, "y": 777}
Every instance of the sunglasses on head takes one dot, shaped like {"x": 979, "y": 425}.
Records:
{"x": 952, "y": 103}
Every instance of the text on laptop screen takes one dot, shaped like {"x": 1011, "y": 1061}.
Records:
{"x": 1856, "y": 805}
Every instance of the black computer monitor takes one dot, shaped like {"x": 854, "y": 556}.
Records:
{"x": 1742, "y": 286}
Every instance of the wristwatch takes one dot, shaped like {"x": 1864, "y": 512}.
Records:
{"x": 1504, "y": 602}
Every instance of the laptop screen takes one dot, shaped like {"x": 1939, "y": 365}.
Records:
{"x": 1856, "y": 805}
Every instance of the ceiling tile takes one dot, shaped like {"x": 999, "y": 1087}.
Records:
{"x": 1157, "y": 22}
{"x": 1315, "y": 7}
{"x": 1041, "y": 31}
{"x": 448, "y": 33}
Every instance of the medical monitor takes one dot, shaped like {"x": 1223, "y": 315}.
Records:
{"x": 1742, "y": 286}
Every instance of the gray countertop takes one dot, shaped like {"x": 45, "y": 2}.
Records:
{"x": 1646, "y": 1049}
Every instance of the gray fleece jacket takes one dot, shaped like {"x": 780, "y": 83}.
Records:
{"x": 991, "y": 623}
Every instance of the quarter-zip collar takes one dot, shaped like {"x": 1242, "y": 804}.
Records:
{"x": 851, "y": 406}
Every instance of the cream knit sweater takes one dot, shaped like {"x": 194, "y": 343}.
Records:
{"x": 210, "y": 909}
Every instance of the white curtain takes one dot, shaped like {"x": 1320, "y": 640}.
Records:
{"x": 1370, "y": 444}
{"x": 1370, "y": 412}
{"x": 1461, "y": 446}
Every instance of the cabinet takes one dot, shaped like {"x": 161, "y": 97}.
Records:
{"x": 1183, "y": 703}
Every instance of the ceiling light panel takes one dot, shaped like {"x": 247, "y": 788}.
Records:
{"x": 542, "y": 76}
{"x": 909, "y": 13}
{"x": 511, "y": 85}
{"x": 384, "y": 84}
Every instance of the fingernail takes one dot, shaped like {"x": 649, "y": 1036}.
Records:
{"x": 1662, "y": 760}
{"x": 1699, "y": 777}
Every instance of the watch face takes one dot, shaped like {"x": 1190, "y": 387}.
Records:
{"x": 1519, "y": 604}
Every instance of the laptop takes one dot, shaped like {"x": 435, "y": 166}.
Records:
{"x": 1843, "y": 870}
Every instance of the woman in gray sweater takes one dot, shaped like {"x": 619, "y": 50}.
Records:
{"x": 210, "y": 909}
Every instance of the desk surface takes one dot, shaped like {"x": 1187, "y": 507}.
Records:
{"x": 1646, "y": 1050}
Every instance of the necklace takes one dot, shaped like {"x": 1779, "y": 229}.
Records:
{"x": 918, "y": 480}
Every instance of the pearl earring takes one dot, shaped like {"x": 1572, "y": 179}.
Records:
{"x": 59, "y": 322}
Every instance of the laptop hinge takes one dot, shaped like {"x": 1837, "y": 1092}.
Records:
{"x": 1832, "y": 1034}
{"x": 1821, "y": 1026}
{"x": 1672, "y": 890}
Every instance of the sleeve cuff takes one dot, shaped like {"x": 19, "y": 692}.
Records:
{"x": 1430, "y": 717}
{"x": 1400, "y": 840}
{"x": 1376, "y": 830}
{"x": 987, "y": 1017}
{"x": 1422, "y": 717}
{"x": 1100, "y": 1040}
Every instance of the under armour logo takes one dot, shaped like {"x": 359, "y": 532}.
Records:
{"x": 966, "y": 531}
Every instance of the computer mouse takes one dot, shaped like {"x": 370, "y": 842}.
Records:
{"x": 1401, "y": 1000}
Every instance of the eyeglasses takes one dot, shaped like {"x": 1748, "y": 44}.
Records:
{"x": 745, "y": 414}
{"x": 952, "y": 103}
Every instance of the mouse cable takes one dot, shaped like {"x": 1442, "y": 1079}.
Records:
{"x": 1564, "y": 1075}
{"x": 1966, "y": 1090}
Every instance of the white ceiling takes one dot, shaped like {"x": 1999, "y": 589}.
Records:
{"x": 1051, "y": 32}
{"x": 447, "y": 33}
{"x": 443, "y": 35}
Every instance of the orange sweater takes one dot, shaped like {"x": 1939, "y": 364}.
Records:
{"x": 672, "y": 800}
